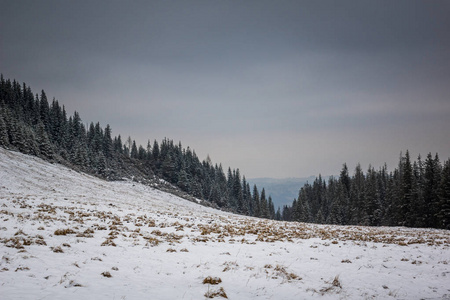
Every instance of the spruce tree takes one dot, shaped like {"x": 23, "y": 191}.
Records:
{"x": 271, "y": 208}
{"x": 256, "y": 203}
{"x": 443, "y": 214}
{"x": 357, "y": 196}
{"x": 431, "y": 186}
{"x": 44, "y": 142}
{"x": 237, "y": 192}
{"x": 4, "y": 141}
{"x": 107, "y": 142}
{"x": 183, "y": 180}
{"x": 134, "y": 150}
{"x": 264, "y": 210}
{"x": 372, "y": 203}
{"x": 44, "y": 111}
{"x": 407, "y": 182}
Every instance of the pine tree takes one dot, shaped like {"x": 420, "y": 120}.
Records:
{"x": 168, "y": 171}
{"x": 246, "y": 196}
{"x": 356, "y": 204}
{"x": 419, "y": 205}
{"x": 101, "y": 164}
{"x": 278, "y": 214}
{"x": 31, "y": 145}
{"x": 344, "y": 178}
{"x": 118, "y": 146}
{"x": 298, "y": 207}
{"x": 443, "y": 214}
{"x": 44, "y": 142}
{"x": 372, "y": 203}
{"x": 183, "y": 180}
{"x": 237, "y": 192}
{"x": 44, "y": 111}
{"x": 155, "y": 153}
{"x": 4, "y": 140}
{"x": 264, "y": 210}
{"x": 17, "y": 136}
{"x": 271, "y": 208}
{"x": 134, "y": 150}
{"x": 256, "y": 203}
{"x": 407, "y": 183}
{"x": 431, "y": 186}
{"x": 107, "y": 143}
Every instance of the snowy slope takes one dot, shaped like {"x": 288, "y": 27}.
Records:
{"x": 67, "y": 235}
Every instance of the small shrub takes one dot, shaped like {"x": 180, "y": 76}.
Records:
{"x": 97, "y": 258}
{"x": 106, "y": 274}
{"x": 109, "y": 242}
{"x": 218, "y": 293}
{"x": 212, "y": 280}
{"x": 335, "y": 286}
{"x": 19, "y": 232}
{"x": 152, "y": 241}
{"x": 336, "y": 282}
{"x": 74, "y": 284}
{"x": 57, "y": 249}
{"x": 281, "y": 271}
{"x": 64, "y": 231}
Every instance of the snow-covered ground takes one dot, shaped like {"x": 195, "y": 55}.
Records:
{"x": 67, "y": 235}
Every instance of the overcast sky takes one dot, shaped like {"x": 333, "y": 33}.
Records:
{"x": 274, "y": 88}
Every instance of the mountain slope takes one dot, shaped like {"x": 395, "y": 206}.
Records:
{"x": 67, "y": 235}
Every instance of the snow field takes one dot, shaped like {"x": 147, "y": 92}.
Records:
{"x": 67, "y": 235}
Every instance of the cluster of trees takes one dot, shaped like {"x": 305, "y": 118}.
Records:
{"x": 32, "y": 125}
{"x": 415, "y": 194}
{"x": 204, "y": 180}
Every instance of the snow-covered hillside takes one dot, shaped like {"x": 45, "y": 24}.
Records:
{"x": 66, "y": 235}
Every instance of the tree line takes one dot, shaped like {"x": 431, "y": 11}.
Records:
{"x": 32, "y": 124}
{"x": 415, "y": 194}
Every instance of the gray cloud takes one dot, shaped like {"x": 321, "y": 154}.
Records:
{"x": 290, "y": 88}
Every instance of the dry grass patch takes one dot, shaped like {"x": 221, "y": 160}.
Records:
{"x": 212, "y": 280}
{"x": 88, "y": 233}
{"x": 151, "y": 241}
{"x": 109, "y": 242}
{"x": 216, "y": 293}
{"x": 334, "y": 286}
{"x": 106, "y": 274}
{"x": 64, "y": 231}
{"x": 57, "y": 249}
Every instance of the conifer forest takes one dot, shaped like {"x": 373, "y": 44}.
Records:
{"x": 414, "y": 194}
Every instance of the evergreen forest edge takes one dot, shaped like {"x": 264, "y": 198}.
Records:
{"x": 415, "y": 194}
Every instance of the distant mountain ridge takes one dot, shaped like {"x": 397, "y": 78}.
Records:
{"x": 282, "y": 190}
